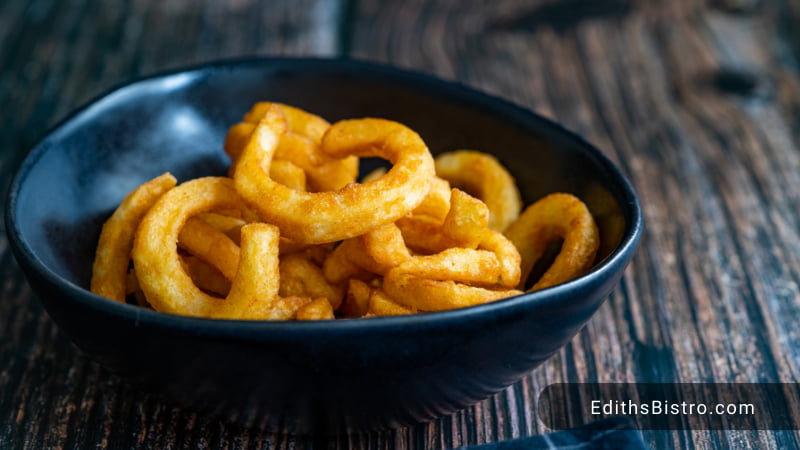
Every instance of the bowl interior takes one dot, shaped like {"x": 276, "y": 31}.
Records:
{"x": 177, "y": 122}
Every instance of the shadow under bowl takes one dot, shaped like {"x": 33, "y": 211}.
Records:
{"x": 346, "y": 375}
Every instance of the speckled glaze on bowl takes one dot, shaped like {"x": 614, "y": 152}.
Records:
{"x": 317, "y": 376}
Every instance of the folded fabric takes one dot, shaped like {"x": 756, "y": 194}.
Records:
{"x": 618, "y": 433}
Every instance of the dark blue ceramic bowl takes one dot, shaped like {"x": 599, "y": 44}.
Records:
{"x": 320, "y": 376}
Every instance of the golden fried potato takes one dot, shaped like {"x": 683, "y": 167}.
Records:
{"x": 356, "y": 302}
{"x": 435, "y": 295}
{"x": 300, "y": 277}
{"x": 482, "y": 175}
{"x": 466, "y": 219}
{"x": 166, "y": 285}
{"x": 205, "y": 276}
{"x": 291, "y": 235}
{"x": 319, "y": 309}
{"x": 204, "y": 241}
{"x": 556, "y": 216}
{"x": 330, "y": 216}
{"x": 230, "y": 225}
{"x": 113, "y": 253}
{"x": 380, "y": 305}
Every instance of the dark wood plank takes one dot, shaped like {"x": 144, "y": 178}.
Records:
{"x": 55, "y": 56}
{"x": 682, "y": 95}
{"x": 698, "y": 102}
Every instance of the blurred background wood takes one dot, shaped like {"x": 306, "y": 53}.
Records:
{"x": 697, "y": 101}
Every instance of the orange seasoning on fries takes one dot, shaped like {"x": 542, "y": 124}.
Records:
{"x": 291, "y": 234}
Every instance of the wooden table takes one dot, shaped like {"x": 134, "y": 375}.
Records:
{"x": 697, "y": 101}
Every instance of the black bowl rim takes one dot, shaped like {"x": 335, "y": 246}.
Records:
{"x": 426, "y": 83}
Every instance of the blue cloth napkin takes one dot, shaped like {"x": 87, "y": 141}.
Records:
{"x": 618, "y": 433}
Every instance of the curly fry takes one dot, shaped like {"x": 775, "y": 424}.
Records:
{"x": 113, "y": 253}
{"x": 556, "y": 216}
{"x": 356, "y": 208}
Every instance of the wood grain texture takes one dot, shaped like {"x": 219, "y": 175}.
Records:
{"x": 55, "y": 56}
{"x": 691, "y": 100}
{"x": 698, "y": 102}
